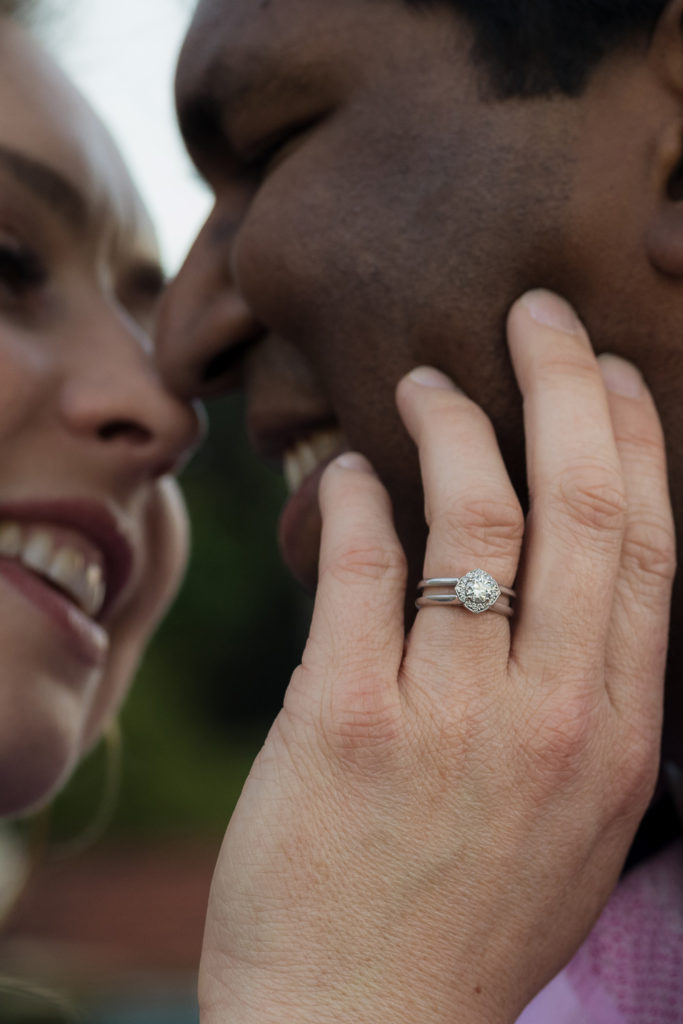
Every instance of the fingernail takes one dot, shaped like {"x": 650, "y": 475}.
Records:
{"x": 621, "y": 377}
{"x": 428, "y": 377}
{"x": 550, "y": 310}
{"x": 355, "y": 461}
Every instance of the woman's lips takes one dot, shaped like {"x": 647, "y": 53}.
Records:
{"x": 89, "y": 530}
{"x": 84, "y": 638}
{"x": 66, "y": 559}
{"x": 300, "y": 522}
{"x": 72, "y": 560}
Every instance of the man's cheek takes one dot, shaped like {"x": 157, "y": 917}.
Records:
{"x": 282, "y": 262}
{"x": 312, "y": 250}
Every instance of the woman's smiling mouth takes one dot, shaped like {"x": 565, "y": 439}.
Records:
{"x": 68, "y": 561}
{"x": 71, "y": 560}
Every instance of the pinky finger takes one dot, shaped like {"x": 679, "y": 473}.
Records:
{"x": 638, "y": 636}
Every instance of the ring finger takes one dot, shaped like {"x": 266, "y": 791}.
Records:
{"x": 474, "y": 518}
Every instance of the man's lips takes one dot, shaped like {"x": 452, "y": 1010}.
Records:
{"x": 306, "y": 455}
{"x": 297, "y": 432}
{"x": 299, "y": 530}
{"x": 303, "y": 450}
{"x": 84, "y": 637}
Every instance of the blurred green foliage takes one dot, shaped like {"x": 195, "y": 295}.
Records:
{"x": 214, "y": 676}
{"x": 25, "y": 1007}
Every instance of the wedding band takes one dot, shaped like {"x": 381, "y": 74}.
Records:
{"x": 477, "y": 591}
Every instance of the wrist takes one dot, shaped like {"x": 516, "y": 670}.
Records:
{"x": 248, "y": 996}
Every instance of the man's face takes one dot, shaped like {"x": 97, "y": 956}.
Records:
{"x": 375, "y": 210}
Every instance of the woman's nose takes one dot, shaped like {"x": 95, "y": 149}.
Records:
{"x": 114, "y": 399}
{"x": 205, "y": 328}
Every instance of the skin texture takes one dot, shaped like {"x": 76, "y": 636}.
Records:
{"x": 83, "y": 413}
{"x": 437, "y": 818}
{"x": 434, "y": 824}
{"x": 373, "y": 242}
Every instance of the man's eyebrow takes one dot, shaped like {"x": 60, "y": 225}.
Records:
{"x": 203, "y": 112}
{"x": 51, "y": 187}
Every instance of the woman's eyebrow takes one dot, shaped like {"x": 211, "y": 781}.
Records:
{"x": 48, "y": 185}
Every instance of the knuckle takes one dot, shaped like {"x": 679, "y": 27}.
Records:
{"x": 358, "y": 563}
{"x": 570, "y": 739}
{"x": 489, "y": 524}
{"x": 356, "y": 721}
{"x": 363, "y": 730}
{"x": 567, "y": 363}
{"x": 638, "y": 776}
{"x": 649, "y": 552}
{"x": 645, "y": 443}
{"x": 453, "y": 413}
{"x": 634, "y": 770}
{"x": 360, "y": 722}
{"x": 458, "y": 424}
{"x": 559, "y": 736}
{"x": 592, "y": 498}
{"x": 352, "y": 491}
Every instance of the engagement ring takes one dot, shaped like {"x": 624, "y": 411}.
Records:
{"x": 477, "y": 591}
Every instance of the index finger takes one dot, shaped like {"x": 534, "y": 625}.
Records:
{"x": 357, "y": 632}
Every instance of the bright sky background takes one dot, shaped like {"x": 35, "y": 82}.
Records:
{"x": 122, "y": 54}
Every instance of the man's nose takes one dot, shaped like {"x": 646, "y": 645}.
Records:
{"x": 113, "y": 400}
{"x": 205, "y": 328}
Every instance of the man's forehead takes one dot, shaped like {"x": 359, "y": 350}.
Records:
{"x": 246, "y": 55}
{"x": 272, "y": 48}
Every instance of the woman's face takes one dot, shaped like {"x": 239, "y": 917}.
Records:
{"x": 92, "y": 530}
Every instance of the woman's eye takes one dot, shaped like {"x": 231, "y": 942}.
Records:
{"x": 21, "y": 271}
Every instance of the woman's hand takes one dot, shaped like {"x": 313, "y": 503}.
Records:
{"x": 433, "y": 826}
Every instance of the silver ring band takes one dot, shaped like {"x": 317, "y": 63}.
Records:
{"x": 477, "y": 591}
{"x": 453, "y": 581}
{"x": 449, "y": 599}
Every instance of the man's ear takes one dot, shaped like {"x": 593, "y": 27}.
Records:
{"x": 665, "y": 235}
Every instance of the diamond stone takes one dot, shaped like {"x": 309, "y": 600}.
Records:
{"x": 477, "y": 591}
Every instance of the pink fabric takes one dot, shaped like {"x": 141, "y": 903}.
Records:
{"x": 630, "y": 969}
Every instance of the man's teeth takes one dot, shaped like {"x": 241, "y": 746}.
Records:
{"x": 305, "y": 456}
{"x": 67, "y": 568}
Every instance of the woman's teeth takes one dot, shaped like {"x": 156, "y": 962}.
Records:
{"x": 67, "y": 568}
{"x": 305, "y": 456}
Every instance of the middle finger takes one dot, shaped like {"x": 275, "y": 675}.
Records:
{"x": 576, "y": 489}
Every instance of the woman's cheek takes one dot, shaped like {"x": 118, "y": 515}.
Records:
{"x": 27, "y": 371}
